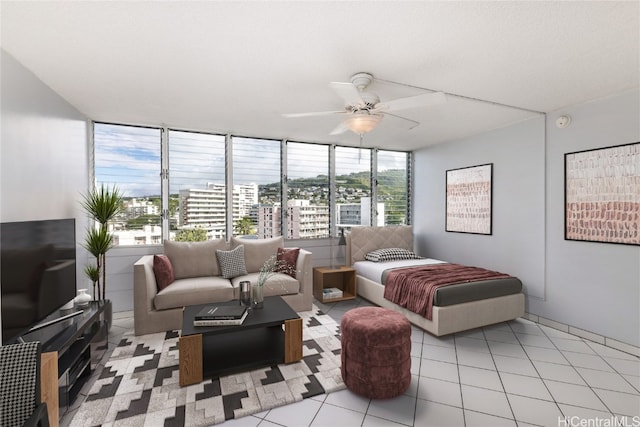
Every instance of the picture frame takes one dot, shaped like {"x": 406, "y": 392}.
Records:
{"x": 469, "y": 199}
{"x": 602, "y": 195}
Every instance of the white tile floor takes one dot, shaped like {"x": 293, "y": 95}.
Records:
{"x": 516, "y": 373}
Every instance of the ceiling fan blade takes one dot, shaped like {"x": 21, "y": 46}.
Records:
{"x": 348, "y": 92}
{"x": 424, "y": 100}
{"x": 317, "y": 113}
{"x": 341, "y": 128}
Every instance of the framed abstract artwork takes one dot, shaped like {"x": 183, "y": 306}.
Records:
{"x": 469, "y": 199}
{"x": 602, "y": 195}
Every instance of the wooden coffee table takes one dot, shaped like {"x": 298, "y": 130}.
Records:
{"x": 267, "y": 336}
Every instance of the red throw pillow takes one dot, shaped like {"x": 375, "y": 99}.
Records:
{"x": 163, "y": 270}
{"x": 287, "y": 260}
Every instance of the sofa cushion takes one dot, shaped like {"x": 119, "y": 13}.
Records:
{"x": 257, "y": 251}
{"x": 194, "y": 259}
{"x": 277, "y": 284}
{"x": 231, "y": 262}
{"x": 163, "y": 270}
{"x": 287, "y": 260}
{"x": 192, "y": 291}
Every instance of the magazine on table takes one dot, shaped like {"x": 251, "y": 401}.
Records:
{"x": 221, "y": 312}
{"x": 221, "y": 322}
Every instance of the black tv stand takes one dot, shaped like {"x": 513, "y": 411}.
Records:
{"x": 79, "y": 337}
{"x": 59, "y": 319}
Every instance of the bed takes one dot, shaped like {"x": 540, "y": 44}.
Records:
{"x": 447, "y": 316}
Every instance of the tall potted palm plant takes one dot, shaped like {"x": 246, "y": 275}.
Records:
{"x": 102, "y": 204}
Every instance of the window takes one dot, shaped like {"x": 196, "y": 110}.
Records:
{"x": 256, "y": 187}
{"x": 353, "y": 187}
{"x": 307, "y": 191}
{"x": 393, "y": 188}
{"x": 129, "y": 158}
{"x": 184, "y": 185}
{"x": 197, "y": 190}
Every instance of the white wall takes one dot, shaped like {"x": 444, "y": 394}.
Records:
{"x": 516, "y": 245}
{"x": 44, "y": 149}
{"x": 43, "y": 156}
{"x": 591, "y": 286}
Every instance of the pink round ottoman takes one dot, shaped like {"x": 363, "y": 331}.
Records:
{"x": 376, "y": 352}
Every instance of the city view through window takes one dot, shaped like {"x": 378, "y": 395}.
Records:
{"x": 182, "y": 189}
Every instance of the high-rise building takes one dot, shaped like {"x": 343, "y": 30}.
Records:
{"x": 268, "y": 219}
{"x": 245, "y": 197}
{"x": 206, "y": 208}
{"x": 304, "y": 220}
{"x": 134, "y": 208}
{"x": 358, "y": 213}
{"x": 307, "y": 221}
{"x": 147, "y": 235}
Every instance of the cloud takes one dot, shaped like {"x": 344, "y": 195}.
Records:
{"x": 130, "y": 157}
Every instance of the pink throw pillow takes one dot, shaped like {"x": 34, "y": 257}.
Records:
{"x": 287, "y": 260}
{"x": 163, "y": 270}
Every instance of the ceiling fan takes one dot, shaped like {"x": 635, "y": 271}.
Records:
{"x": 363, "y": 110}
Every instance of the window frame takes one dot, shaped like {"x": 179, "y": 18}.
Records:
{"x": 164, "y": 168}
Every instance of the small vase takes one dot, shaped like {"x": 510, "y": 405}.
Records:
{"x": 257, "y": 297}
{"x": 245, "y": 294}
{"x": 83, "y": 298}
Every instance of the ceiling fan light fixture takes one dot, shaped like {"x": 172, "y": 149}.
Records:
{"x": 362, "y": 122}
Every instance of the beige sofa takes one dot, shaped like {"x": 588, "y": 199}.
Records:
{"x": 198, "y": 280}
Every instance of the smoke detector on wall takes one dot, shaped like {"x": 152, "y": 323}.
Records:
{"x": 563, "y": 121}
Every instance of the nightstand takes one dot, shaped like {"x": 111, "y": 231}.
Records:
{"x": 343, "y": 278}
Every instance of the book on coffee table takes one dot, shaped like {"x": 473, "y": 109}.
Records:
{"x": 221, "y": 322}
{"x": 221, "y": 312}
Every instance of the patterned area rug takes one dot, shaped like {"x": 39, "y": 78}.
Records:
{"x": 139, "y": 384}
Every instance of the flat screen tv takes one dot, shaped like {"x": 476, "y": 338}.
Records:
{"x": 38, "y": 272}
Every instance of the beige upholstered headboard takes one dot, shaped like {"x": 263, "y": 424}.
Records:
{"x": 362, "y": 240}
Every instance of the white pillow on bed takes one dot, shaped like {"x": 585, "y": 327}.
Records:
{"x": 390, "y": 254}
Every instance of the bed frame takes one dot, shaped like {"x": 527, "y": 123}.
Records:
{"x": 445, "y": 320}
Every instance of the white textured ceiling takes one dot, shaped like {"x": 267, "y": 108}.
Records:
{"x": 236, "y": 66}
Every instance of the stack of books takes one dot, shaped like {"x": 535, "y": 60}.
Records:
{"x": 330, "y": 293}
{"x": 221, "y": 315}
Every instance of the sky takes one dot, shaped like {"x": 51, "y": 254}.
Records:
{"x": 130, "y": 157}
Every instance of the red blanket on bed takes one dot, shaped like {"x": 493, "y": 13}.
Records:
{"x": 414, "y": 287}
